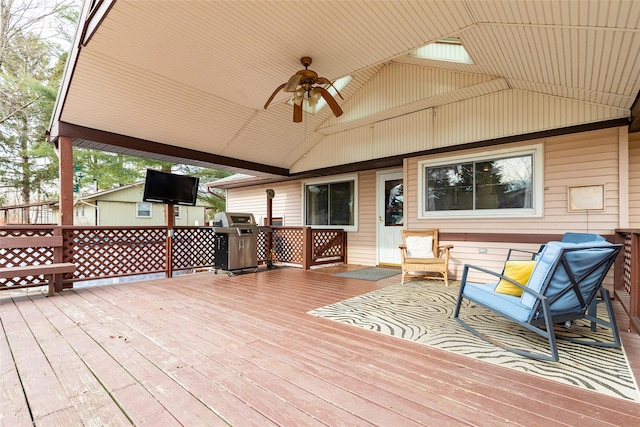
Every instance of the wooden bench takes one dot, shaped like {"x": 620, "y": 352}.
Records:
{"x": 49, "y": 271}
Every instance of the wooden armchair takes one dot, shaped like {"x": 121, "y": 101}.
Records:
{"x": 421, "y": 254}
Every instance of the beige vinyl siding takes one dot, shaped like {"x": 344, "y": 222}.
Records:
{"x": 584, "y": 159}
{"x": 634, "y": 180}
{"x": 589, "y": 158}
{"x": 86, "y": 216}
{"x": 362, "y": 244}
{"x": 124, "y": 214}
{"x": 132, "y": 194}
{"x": 287, "y": 202}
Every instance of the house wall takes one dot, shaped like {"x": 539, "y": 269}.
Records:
{"x": 115, "y": 213}
{"x": 287, "y": 203}
{"x": 84, "y": 214}
{"x": 118, "y": 208}
{"x": 634, "y": 180}
{"x": 588, "y": 158}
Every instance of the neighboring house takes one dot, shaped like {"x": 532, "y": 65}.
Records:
{"x": 123, "y": 206}
{"x": 583, "y": 181}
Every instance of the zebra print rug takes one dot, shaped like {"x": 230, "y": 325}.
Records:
{"x": 420, "y": 311}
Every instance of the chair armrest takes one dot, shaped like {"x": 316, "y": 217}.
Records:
{"x": 444, "y": 250}
{"x": 402, "y": 246}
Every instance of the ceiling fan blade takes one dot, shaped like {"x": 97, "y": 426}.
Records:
{"x": 326, "y": 81}
{"x": 337, "y": 111}
{"x": 273, "y": 95}
{"x": 293, "y": 83}
{"x": 297, "y": 113}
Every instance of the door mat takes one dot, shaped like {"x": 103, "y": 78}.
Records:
{"x": 420, "y": 311}
{"x": 370, "y": 273}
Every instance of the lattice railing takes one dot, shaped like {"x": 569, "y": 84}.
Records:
{"x": 262, "y": 246}
{"x": 103, "y": 252}
{"x": 627, "y": 276}
{"x": 328, "y": 245}
{"x": 25, "y": 256}
{"x": 108, "y": 252}
{"x": 192, "y": 248}
{"x": 307, "y": 246}
{"x": 287, "y": 244}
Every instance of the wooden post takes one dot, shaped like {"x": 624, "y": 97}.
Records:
{"x": 268, "y": 243}
{"x": 634, "y": 310}
{"x": 170, "y": 219}
{"x": 307, "y": 248}
{"x": 64, "y": 150}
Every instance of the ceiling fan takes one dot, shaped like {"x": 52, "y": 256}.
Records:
{"x": 306, "y": 85}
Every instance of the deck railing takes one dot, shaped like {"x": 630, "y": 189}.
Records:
{"x": 110, "y": 252}
{"x": 627, "y": 275}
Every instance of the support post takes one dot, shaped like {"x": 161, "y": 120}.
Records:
{"x": 307, "y": 248}
{"x": 268, "y": 242}
{"x": 64, "y": 150}
{"x": 170, "y": 219}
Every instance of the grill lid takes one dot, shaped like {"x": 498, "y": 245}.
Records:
{"x": 233, "y": 219}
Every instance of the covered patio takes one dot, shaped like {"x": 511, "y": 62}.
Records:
{"x": 205, "y": 349}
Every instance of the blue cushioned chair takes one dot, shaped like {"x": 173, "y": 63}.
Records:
{"x": 565, "y": 285}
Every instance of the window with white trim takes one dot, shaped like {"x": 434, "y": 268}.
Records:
{"x": 331, "y": 204}
{"x": 500, "y": 183}
{"x": 177, "y": 211}
{"x": 143, "y": 210}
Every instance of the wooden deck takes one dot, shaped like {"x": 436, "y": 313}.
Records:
{"x": 212, "y": 350}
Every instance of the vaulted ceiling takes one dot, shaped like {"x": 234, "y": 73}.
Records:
{"x": 186, "y": 81}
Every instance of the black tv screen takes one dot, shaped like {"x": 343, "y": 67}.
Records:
{"x": 164, "y": 187}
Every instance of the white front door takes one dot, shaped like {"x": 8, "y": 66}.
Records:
{"x": 390, "y": 216}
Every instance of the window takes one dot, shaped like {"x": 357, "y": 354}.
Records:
{"x": 143, "y": 210}
{"x": 331, "y": 204}
{"x": 497, "y": 184}
{"x": 177, "y": 211}
{"x": 449, "y": 50}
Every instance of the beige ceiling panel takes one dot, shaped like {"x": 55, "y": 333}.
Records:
{"x": 513, "y": 112}
{"x": 400, "y": 135}
{"x": 251, "y": 50}
{"x": 196, "y": 74}
{"x": 613, "y": 13}
{"x": 134, "y": 103}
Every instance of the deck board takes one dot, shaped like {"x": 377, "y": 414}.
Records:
{"x": 209, "y": 349}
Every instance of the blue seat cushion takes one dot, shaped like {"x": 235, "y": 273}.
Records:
{"x": 502, "y": 303}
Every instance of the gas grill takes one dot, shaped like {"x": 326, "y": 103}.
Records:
{"x": 236, "y": 242}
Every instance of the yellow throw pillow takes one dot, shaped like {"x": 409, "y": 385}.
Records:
{"x": 520, "y": 271}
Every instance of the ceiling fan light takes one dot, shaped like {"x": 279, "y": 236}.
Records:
{"x": 314, "y": 96}
{"x": 298, "y": 96}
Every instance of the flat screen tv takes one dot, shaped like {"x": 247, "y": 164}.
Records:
{"x": 164, "y": 187}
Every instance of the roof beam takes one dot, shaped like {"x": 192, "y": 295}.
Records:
{"x": 107, "y": 141}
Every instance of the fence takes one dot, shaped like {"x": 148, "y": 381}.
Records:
{"x": 627, "y": 275}
{"x": 110, "y": 252}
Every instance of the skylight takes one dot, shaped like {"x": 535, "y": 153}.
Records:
{"x": 339, "y": 84}
{"x": 449, "y": 49}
